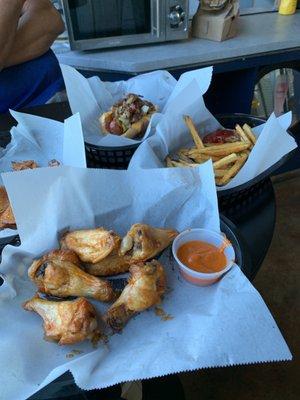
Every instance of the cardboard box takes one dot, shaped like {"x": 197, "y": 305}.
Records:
{"x": 219, "y": 25}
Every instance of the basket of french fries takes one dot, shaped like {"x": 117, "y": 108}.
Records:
{"x": 228, "y": 148}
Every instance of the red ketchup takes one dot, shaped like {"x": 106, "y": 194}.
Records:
{"x": 221, "y": 136}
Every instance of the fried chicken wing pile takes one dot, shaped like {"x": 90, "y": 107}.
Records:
{"x": 73, "y": 270}
{"x": 106, "y": 254}
{"x": 21, "y": 165}
{"x": 59, "y": 273}
{"x": 66, "y": 322}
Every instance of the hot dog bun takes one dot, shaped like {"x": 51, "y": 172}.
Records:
{"x": 104, "y": 118}
{"x": 138, "y": 128}
{"x": 116, "y": 121}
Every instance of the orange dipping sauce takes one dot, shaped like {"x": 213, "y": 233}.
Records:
{"x": 202, "y": 257}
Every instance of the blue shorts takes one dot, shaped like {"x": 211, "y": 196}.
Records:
{"x": 31, "y": 83}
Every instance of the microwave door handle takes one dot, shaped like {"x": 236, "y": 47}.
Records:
{"x": 155, "y": 18}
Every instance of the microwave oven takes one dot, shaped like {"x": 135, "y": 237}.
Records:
{"x": 98, "y": 24}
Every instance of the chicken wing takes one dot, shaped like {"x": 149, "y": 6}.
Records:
{"x": 145, "y": 289}
{"x": 91, "y": 245}
{"x": 58, "y": 273}
{"x": 7, "y": 219}
{"x": 144, "y": 242}
{"x": 66, "y": 322}
{"x": 21, "y": 165}
{"x": 113, "y": 264}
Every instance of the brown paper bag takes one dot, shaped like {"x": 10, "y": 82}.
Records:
{"x": 217, "y": 25}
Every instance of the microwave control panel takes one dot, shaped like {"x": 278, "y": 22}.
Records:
{"x": 177, "y": 18}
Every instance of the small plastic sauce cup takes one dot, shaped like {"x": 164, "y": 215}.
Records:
{"x": 204, "y": 235}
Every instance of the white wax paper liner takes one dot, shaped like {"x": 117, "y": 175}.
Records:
{"x": 221, "y": 325}
{"x": 42, "y": 139}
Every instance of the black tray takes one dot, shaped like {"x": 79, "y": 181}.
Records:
{"x": 109, "y": 157}
{"x": 234, "y": 196}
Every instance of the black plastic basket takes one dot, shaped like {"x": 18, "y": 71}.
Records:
{"x": 235, "y": 197}
{"x": 242, "y": 253}
{"x": 109, "y": 157}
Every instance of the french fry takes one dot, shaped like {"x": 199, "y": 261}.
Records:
{"x": 185, "y": 158}
{"x": 183, "y": 164}
{"x": 218, "y": 181}
{"x": 193, "y": 150}
{"x": 193, "y": 165}
{"x": 225, "y": 149}
{"x": 176, "y": 164}
{"x": 195, "y": 155}
{"x": 193, "y": 131}
{"x": 169, "y": 162}
{"x": 242, "y": 134}
{"x": 199, "y": 159}
{"x": 249, "y": 133}
{"x": 245, "y": 153}
{"x": 219, "y": 173}
{"x": 183, "y": 151}
{"x": 233, "y": 170}
{"x": 180, "y": 162}
{"x": 225, "y": 161}
{"x": 216, "y": 158}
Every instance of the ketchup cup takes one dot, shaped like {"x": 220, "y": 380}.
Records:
{"x": 204, "y": 235}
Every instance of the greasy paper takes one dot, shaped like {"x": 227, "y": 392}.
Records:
{"x": 224, "y": 324}
{"x": 91, "y": 98}
{"x": 42, "y": 140}
{"x": 171, "y": 134}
